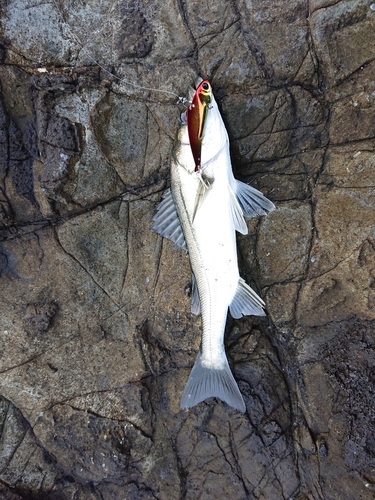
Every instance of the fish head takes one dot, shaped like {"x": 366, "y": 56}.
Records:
{"x": 196, "y": 117}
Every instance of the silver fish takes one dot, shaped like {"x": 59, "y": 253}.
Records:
{"x": 201, "y": 214}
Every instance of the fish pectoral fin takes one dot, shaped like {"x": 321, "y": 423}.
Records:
{"x": 251, "y": 201}
{"x": 204, "y": 186}
{"x": 236, "y": 214}
{"x": 166, "y": 221}
{"x": 246, "y": 302}
{"x": 206, "y": 383}
{"x": 195, "y": 307}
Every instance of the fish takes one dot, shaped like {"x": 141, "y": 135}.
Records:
{"x": 201, "y": 213}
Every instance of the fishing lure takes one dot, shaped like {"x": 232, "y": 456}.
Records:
{"x": 196, "y": 114}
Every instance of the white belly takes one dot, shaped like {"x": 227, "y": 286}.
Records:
{"x": 211, "y": 243}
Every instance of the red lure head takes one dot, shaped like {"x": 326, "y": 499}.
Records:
{"x": 196, "y": 115}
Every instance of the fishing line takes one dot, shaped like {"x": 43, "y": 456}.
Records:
{"x": 180, "y": 99}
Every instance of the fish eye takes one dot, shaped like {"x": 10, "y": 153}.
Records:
{"x": 205, "y": 86}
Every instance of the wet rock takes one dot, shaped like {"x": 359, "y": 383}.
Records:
{"x": 95, "y": 325}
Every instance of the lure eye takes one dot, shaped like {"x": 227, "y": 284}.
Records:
{"x": 205, "y": 86}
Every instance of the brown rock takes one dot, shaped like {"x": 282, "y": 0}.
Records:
{"x": 97, "y": 338}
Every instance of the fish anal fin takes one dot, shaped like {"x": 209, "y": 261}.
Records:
{"x": 246, "y": 302}
{"x": 166, "y": 221}
{"x": 206, "y": 383}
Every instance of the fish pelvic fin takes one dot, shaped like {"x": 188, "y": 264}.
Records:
{"x": 206, "y": 383}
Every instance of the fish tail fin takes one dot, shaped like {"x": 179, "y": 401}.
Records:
{"x": 205, "y": 383}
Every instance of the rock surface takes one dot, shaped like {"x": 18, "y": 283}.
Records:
{"x": 97, "y": 338}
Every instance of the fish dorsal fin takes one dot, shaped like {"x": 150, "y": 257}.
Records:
{"x": 166, "y": 221}
{"x": 251, "y": 201}
{"x": 236, "y": 214}
{"x": 246, "y": 302}
{"x": 195, "y": 306}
